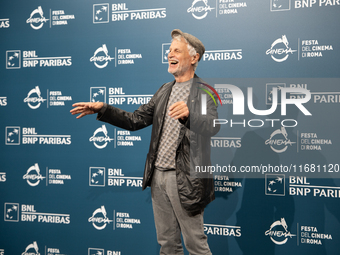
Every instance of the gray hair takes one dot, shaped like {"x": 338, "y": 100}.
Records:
{"x": 192, "y": 51}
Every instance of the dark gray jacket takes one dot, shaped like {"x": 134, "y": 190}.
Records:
{"x": 193, "y": 142}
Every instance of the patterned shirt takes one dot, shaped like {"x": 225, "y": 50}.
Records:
{"x": 171, "y": 127}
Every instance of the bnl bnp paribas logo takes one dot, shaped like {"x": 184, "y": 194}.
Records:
{"x": 12, "y": 135}
{"x": 285, "y": 5}
{"x": 13, "y": 59}
{"x": 100, "y": 13}
{"x": 12, "y": 212}
{"x": 98, "y": 94}
{"x": 120, "y": 12}
{"x": 279, "y": 5}
{"x": 275, "y": 184}
{"x": 101, "y": 251}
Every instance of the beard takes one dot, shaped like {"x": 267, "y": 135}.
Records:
{"x": 179, "y": 70}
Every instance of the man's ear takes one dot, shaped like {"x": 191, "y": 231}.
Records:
{"x": 195, "y": 58}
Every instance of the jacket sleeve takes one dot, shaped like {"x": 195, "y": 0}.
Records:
{"x": 140, "y": 118}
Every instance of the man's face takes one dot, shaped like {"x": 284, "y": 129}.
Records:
{"x": 180, "y": 62}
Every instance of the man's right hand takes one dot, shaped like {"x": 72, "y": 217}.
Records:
{"x": 86, "y": 108}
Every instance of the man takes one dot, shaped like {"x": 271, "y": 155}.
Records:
{"x": 178, "y": 196}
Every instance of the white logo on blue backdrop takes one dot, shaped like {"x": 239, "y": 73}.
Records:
{"x": 278, "y": 232}
{"x": 31, "y": 249}
{"x": 100, "y": 141}
{"x": 100, "y": 13}
{"x": 279, "y": 141}
{"x": 165, "y": 52}
{"x": 13, "y": 59}
{"x": 33, "y": 175}
{"x": 37, "y": 19}
{"x": 279, "y": 5}
{"x": 97, "y": 176}
{"x": 99, "y": 218}
{"x": 98, "y": 94}
{"x": 34, "y": 98}
{"x": 101, "y": 57}
{"x": 12, "y": 135}
{"x": 280, "y": 50}
{"x": 96, "y": 251}
{"x": 275, "y": 184}
{"x": 12, "y": 212}
{"x": 199, "y": 10}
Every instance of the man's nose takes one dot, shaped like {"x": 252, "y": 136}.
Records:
{"x": 170, "y": 54}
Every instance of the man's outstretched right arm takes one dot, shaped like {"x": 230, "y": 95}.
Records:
{"x": 140, "y": 118}
{"x": 86, "y": 108}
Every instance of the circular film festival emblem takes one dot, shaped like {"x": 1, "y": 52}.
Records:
{"x": 99, "y": 218}
{"x": 276, "y": 142}
{"x": 31, "y": 249}
{"x": 280, "y": 50}
{"x": 100, "y": 141}
{"x": 34, "y": 102}
{"x": 37, "y": 19}
{"x": 101, "y": 57}
{"x": 278, "y": 232}
{"x": 33, "y": 175}
{"x": 197, "y": 8}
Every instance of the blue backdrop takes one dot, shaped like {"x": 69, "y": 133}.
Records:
{"x": 73, "y": 186}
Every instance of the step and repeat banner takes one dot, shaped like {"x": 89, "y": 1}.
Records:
{"x": 73, "y": 187}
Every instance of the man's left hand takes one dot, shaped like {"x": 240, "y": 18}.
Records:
{"x": 179, "y": 110}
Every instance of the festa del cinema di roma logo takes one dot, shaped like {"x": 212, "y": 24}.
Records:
{"x": 278, "y": 232}
{"x": 33, "y": 175}
{"x": 281, "y": 141}
{"x": 100, "y": 141}
{"x": 31, "y": 249}
{"x": 199, "y": 9}
{"x": 99, "y": 218}
{"x": 280, "y": 50}
{"x": 101, "y": 57}
{"x": 34, "y": 98}
{"x": 37, "y": 19}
